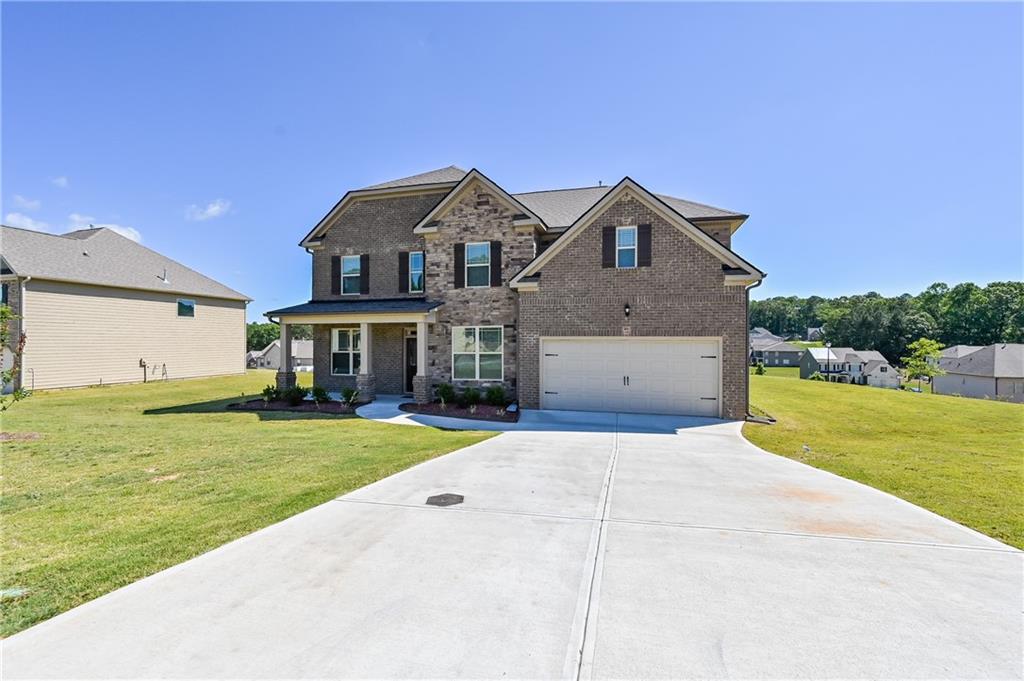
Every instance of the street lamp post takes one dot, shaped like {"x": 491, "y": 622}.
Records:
{"x": 828, "y": 356}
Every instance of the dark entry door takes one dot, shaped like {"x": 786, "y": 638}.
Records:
{"x": 410, "y": 362}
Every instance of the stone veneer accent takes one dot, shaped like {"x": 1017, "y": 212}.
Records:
{"x": 682, "y": 293}
{"x": 477, "y": 216}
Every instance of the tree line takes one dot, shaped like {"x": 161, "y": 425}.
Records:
{"x": 259, "y": 335}
{"x": 965, "y": 314}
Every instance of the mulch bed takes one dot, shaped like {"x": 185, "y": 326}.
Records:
{"x": 484, "y": 412}
{"x": 331, "y": 407}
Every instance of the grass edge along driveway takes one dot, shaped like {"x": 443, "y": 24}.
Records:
{"x": 125, "y": 481}
{"x": 955, "y": 456}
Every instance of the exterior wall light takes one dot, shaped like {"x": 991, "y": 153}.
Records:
{"x": 626, "y": 310}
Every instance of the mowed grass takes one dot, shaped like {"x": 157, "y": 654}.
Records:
{"x": 961, "y": 458}
{"x": 781, "y": 372}
{"x": 110, "y": 493}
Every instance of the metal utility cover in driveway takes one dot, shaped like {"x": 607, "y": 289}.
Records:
{"x": 445, "y": 499}
{"x": 612, "y": 546}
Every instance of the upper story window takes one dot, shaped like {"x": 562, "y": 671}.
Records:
{"x": 345, "y": 352}
{"x": 478, "y": 264}
{"x": 416, "y": 282}
{"x": 186, "y": 307}
{"x": 350, "y": 274}
{"x": 625, "y": 247}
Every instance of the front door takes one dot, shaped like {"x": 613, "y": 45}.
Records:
{"x": 410, "y": 362}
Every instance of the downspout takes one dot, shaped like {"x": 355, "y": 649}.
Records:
{"x": 746, "y": 360}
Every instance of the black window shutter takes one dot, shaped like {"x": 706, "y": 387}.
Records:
{"x": 335, "y": 275}
{"x": 460, "y": 265}
{"x": 364, "y": 273}
{"x": 608, "y": 246}
{"x": 403, "y": 271}
{"x": 643, "y": 246}
{"x": 495, "y": 263}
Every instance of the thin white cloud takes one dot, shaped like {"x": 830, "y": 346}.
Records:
{"x": 79, "y": 221}
{"x": 25, "y": 222}
{"x": 27, "y": 204}
{"x": 214, "y": 209}
{"x": 60, "y": 181}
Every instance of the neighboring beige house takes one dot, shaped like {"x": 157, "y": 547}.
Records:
{"x": 993, "y": 372}
{"x": 270, "y": 356}
{"x": 99, "y": 308}
{"x": 608, "y": 298}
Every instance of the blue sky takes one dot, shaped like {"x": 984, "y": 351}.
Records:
{"x": 875, "y": 147}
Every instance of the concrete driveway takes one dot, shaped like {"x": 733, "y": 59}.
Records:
{"x": 588, "y": 546}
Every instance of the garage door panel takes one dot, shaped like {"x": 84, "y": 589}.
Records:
{"x": 665, "y": 375}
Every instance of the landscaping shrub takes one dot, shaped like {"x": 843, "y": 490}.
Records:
{"x": 319, "y": 394}
{"x": 446, "y": 393}
{"x": 495, "y": 396}
{"x": 816, "y": 377}
{"x": 759, "y": 369}
{"x": 295, "y": 394}
{"x": 470, "y": 397}
{"x": 271, "y": 394}
{"x": 349, "y": 395}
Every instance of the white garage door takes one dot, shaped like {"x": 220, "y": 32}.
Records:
{"x": 639, "y": 375}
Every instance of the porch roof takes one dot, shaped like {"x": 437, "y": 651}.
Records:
{"x": 335, "y": 308}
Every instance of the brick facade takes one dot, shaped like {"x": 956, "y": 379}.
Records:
{"x": 388, "y": 358}
{"x": 682, "y": 293}
{"x": 477, "y": 216}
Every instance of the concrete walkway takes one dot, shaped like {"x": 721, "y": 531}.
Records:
{"x": 588, "y": 546}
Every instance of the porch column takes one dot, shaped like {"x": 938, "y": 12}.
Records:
{"x": 420, "y": 382}
{"x": 366, "y": 382}
{"x": 285, "y": 375}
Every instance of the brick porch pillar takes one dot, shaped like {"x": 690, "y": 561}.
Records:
{"x": 421, "y": 391}
{"x": 285, "y": 376}
{"x": 366, "y": 382}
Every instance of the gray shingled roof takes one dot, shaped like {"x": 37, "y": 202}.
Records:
{"x": 559, "y": 208}
{"x": 957, "y": 351}
{"x": 449, "y": 174}
{"x": 1002, "y": 360}
{"x": 103, "y": 257}
{"x": 781, "y": 346}
{"x": 347, "y": 306}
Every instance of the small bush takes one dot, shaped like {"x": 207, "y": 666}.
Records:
{"x": 495, "y": 396}
{"x": 319, "y": 394}
{"x": 816, "y": 377}
{"x": 271, "y": 394}
{"x": 349, "y": 396}
{"x": 759, "y": 369}
{"x": 446, "y": 393}
{"x": 471, "y": 397}
{"x": 295, "y": 394}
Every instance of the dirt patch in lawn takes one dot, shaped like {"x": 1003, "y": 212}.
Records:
{"x": 14, "y": 437}
{"x": 483, "y": 412}
{"x": 331, "y": 407}
{"x": 166, "y": 478}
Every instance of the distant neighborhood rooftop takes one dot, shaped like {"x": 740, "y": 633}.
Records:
{"x": 102, "y": 257}
{"x": 1002, "y": 360}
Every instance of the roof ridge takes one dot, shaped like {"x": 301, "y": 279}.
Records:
{"x": 569, "y": 189}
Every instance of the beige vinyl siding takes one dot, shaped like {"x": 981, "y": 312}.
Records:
{"x": 85, "y": 335}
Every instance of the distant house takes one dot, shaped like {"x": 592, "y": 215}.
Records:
{"x": 270, "y": 356}
{"x": 814, "y": 333}
{"x": 97, "y": 307}
{"x": 761, "y": 338}
{"x": 993, "y": 371}
{"x": 953, "y": 352}
{"x": 251, "y": 358}
{"x": 846, "y": 365}
{"x": 782, "y": 354}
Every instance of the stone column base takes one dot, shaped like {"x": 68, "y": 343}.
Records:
{"x": 285, "y": 380}
{"x": 366, "y": 384}
{"x": 421, "y": 391}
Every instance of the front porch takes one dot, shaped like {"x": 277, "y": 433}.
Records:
{"x": 375, "y": 347}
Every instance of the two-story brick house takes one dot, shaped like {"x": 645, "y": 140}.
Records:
{"x": 597, "y": 298}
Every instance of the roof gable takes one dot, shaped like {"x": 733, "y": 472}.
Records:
{"x": 628, "y": 187}
{"x": 448, "y": 174}
{"x": 424, "y": 226}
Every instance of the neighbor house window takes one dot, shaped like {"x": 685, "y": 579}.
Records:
{"x": 416, "y": 272}
{"x": 477, "y": 353}
{"x": 625, "y": 247}
{"x": 883, "y": 369}
{"x": 186, "y": 307}
{"x": 350, "y": 274}
{"x": 478, "y": 264}
{"x": 3, "y": 294}
{"x": 345, "y": 352}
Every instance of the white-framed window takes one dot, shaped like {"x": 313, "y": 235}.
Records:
{"x": 186, "y": 307}
{"x": 785, "y": 362}
{"x": 478, "y": 264}
{"x": 345, "y": 352}
{"x": 477, "y": 353}
{"x": 625, "y": 247}
{"x": 350, "y": 274}
{"x": 416, "y": 282}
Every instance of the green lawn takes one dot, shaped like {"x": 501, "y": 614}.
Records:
{"x": 961, "y": 458}
{"x": 124, "y": 481}
{"x": 782, "y": 372}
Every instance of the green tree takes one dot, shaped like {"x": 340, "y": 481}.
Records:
{"x": 922, "y": 362}
{"x": 9, "y": 375}
{"x": 260, "y": 335}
